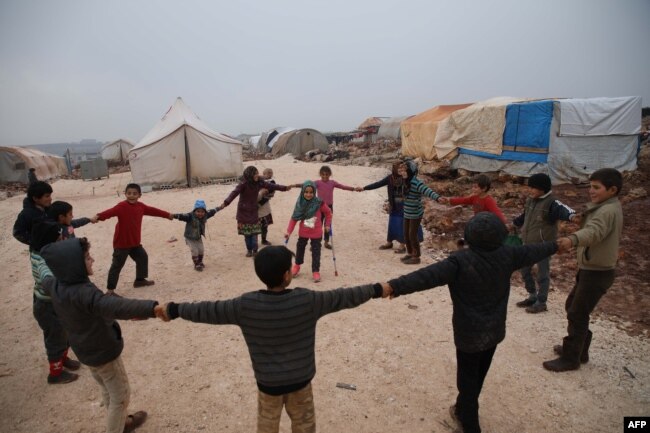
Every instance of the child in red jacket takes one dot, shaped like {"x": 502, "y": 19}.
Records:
{"x": 480, "y": 200}
{"x": 309, "y": 210}
{"x": 126, "y": 240}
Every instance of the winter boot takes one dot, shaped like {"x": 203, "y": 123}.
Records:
{"x": 58, "y": 375}
{"x": 528, "y": 302}
{"x": 584, "y": 356}
{"x": 537, "y": 307}
{"x": 70, "y": 364}
{"x": 197, "y": 266}
{"x": 570, "y": 358}
{"x": 201, "y": 261}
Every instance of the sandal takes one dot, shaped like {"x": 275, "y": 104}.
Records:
{"x": 134, "y": 421}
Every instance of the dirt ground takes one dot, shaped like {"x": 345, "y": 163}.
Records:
{"x": 399, "y": 354}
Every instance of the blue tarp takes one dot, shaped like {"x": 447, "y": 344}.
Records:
{"x": 507, "y": 155}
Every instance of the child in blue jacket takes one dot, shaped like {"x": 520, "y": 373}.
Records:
{"x": 195, "y": 230}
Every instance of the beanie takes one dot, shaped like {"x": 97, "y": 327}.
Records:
{"x": 200, "y": 204}
{"x": 540, "y": 181}
{"x": 485, "y": 231}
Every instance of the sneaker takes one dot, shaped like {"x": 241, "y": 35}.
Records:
{"x": 265, "y": 242}
{"x": 64, "y": 377}
{"x": 198, "y": 268}
{"x": 405, "y": 258}
{"x": 143, "y": 283}
{"x": 526, "y": 303}
{"x": 537, "y": 307}
{"x": 316, "y": 276}
{"x": 412, "y": 261}
{"x": 328, "y": 245}
{"x": 134, "y": 421}
{"x": 295, "y": 269}
{"x": 71, "y": 364}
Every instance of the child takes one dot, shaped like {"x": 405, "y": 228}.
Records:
{"x": 413, "y": 210}
{"x": 61, "y": 213}
{"x": 396, "y": 187}
{"x": 264, "y": 206}
{"x": 127, "y": 237}
{"x": 31, "y": 176}
{"x": 89, "y": 316}
{"x": 538, "y": 223}
{"x": 279, "y": 327}
{"x": 479, "y": 284}
{"x": 55, "y": 337}
{"x": 195, "y": 230}
{"x": 480, "y": 200}
{"x": 597, "y": 250}
{"x": 310, "y": 211}
{"x": 248, "y": 222}
{"x": 39, "y": 198}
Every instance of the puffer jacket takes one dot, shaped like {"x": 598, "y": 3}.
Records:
{"x": 22, "y": 230}
{"x": 195, "y": 226}
{"x": 85, "y": 312}
{"x": 478, "y": 280}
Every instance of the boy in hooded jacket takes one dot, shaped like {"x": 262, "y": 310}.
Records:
{"x": 479, "y": 284}
{"x": 89, "y": 316}
{"x": 195, "y": 230}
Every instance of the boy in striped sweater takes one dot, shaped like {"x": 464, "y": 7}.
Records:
{"x": 279, "y": 326}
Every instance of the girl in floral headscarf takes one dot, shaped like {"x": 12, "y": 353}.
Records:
{"x": 248, "y": 223}
{"x": 308, "y": 212}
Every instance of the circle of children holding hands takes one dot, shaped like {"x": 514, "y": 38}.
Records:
{"x": 73, "y": 312}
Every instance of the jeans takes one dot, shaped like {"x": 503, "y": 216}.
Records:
{"x": 411, "y": 236}
{"x": 116, "y": 392}
{"x": 299, "y": 405}
{"x": 251, "y": 242}
{"x": 471, "y": 371}
{"x": 139, "y": 256}
{"x": 315, "y": 253}
{"x": 543, "y": 281}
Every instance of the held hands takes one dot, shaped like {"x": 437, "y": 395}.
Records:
{"x": 564, "y": 245}
{"x": 170, "y": 217}
{"x": 576, "y": 218}
{"x": 94, "y": 219}
{"x": 358, "y": 189}
{"x": 286, "y": 236}
{"x": 387, "y": 290}
{"x": 161, "y": 312}
{"x": 443, "y": 200}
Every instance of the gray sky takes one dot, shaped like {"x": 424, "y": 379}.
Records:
{"x": 110, "y": 69}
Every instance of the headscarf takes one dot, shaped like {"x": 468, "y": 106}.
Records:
{"x": 411, "y": 172}
{"x": 306, "y": 209}
{"x": 249, "y": 174}
{"x": 395, "y": 179}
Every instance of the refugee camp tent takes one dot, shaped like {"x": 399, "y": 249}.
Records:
{"x": 182, "y": 150}
{"x": 268, "y": 138}
{"x": 568, "y": 139}
{"x": 390, "y": 129}
{"x": 299, "y": 141}
{"x": 118, "y": 150}
{"x": 419, "y": 132}
{"x": 15, "y": 162}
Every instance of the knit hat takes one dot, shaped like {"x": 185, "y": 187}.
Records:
{"x": 485, "y": 231}
{"x": 540, "y": 181}
{"x": 200, "y": 204}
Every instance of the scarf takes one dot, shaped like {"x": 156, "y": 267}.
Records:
{"x": 306, "y": 209}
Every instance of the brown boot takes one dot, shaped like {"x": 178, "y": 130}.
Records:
{"x": 561, "y": 364}
{"x": 584, "y": 356}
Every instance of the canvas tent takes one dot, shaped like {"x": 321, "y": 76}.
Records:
{"x": 299, "y": 141}
{"x": 390, "y": 129}
{"x": 16, "y": 161}
{"x": 118, "y": 150}
{"x": 567, "y": 139}
{"x": 268, "y": 138}
{"x": 182, "y": 150}
{"x": 419, "y": 132}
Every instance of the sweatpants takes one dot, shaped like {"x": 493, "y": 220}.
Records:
{"x": 139, "y": 256}
{"x": 299, "y": 405}
{"x": 470, "y": 374}
{"x": 116, "y": 393}
{"x": 315, "y": 252}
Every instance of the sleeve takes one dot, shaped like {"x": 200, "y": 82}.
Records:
{"x": 109, "y": 213}
{"x": 437, "y": 274}
{"x": 20, "y": 230}
{"x": 331, "y": 301}
{"x": 261, "y": 197}
{"x": 491, "y": 206}
{"x": 154, "y": 211}
{"x": 235, "y": 192}
{"x": 519, "y": 221}
{"x": 559, "y": 211}
{"x": 595, "y": 230}
{"x": 183, "y": 217}
{"x": 377, "y": 184}
{"x": 341, "y": 186}
{"x": 528, "y": 255}
{"x": 115, "y": 307}
{"x": 464, "y": 201}
{"x": 274, "y": 186}
{"x": 80, "y": 222}
{"x": 213, "y": 312}
{"x": 426, "y": 191}
{"x": 211, "y": 213}
{"x": 291, "y": 226}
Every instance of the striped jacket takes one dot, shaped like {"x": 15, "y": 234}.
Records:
{"x": 40, "y": 271}
{"x": 279, "y": 327}
{"x": 413, "y": 208}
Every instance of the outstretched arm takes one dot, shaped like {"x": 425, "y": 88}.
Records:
{"x": 437, "y": 274}
{"x": 331, "y": 301}
{"x": 212, "y": 312}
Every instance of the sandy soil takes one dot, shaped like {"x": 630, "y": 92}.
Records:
{"x": 399, "y": 354}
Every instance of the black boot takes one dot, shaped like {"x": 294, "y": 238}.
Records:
{"x": 570, "y": 358}
{"x": 584, "y": 356}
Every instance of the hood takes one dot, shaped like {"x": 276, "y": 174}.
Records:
{"x": 66, "y": 261}
{"x": 28, "y": 203}
{"x": 485, "y": 231}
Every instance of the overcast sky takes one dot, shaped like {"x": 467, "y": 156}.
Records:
{"x": 109, "y": 69}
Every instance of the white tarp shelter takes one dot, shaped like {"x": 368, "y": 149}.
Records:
{"x": 390, "y": 128}
{"x": 117, "y": 150}
{"x": 15, "y": 162}
{"x": 182, "y": 150}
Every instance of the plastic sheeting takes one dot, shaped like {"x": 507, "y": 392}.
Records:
{"x": 600, "y": 116}
{"x": 527, "y": 128}
{"x": 117, "y": 150}
{"x": 391, "y": 128}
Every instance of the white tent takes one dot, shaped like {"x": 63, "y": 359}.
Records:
{"x": 16, "y": 161}
{"x": 117, "y": 150}
{"x": 182, "y": 150}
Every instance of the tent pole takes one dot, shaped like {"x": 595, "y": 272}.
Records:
{"x": 188, "y": 167}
